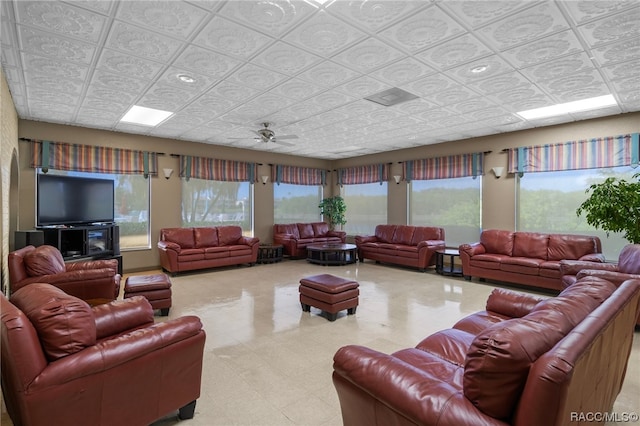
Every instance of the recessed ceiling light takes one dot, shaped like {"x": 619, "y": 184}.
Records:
{"x": 145, "y": 116}
{"x": 569, "y": 107}
{"x": 479, "y": 69}
{"x": 186, "y": 78}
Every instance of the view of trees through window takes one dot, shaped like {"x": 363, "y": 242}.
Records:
{"x": 547, "y": 202}
{"x": 453, "y": 204}
{"x": 131, "y": 205}
{"x": 296, "y": 203}
{"x": 366, "y": 207}
{"x": 212, "y": 202}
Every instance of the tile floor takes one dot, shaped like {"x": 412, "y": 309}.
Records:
{"x": 269, "y": 363}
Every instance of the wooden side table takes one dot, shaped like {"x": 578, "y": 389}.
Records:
{"x": 269, "y": 253}
{"x": 449, "y": 268}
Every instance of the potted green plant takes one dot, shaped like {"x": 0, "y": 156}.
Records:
{"x": 614, "y": 206}
{"x": 333, "y": 210}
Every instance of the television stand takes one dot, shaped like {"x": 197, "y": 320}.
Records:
{"x": 84, "y": 241}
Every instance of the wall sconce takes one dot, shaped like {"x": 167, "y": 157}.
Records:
{"x": 497, "y": 171}
{"x": 167, "y": 173}
{"x": 397, "y": 179}
{"x": 264, "y": 179}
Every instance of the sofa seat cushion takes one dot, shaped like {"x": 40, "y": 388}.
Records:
{"x": 550, "y": 269}
{"x": 239, "y": 250}
{"x": 306, "y": 241}
{"x": 216, "y": 252}
{"x": 388, "y": 246}
{"x": 189, "y": 255}
{"x": 488, "y": 260}
{"x": 407, "y": 249}
{"x": 433, "y": 366}
{"x": 451, "y": 345}
{"x": 321, "y": 239}
{"x": 521, "y": 265}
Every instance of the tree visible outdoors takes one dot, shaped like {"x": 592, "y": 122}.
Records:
{"x": 209, "y": 202}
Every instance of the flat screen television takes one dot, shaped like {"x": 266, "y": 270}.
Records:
{"x": 72, "y": 200}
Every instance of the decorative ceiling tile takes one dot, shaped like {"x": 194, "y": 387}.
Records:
{"x": 383, "y": 115}
{"x": 44, "y": 95}
{"x": 256, "y": 77}
{"x": 584, "y": 11}
{"x": 544, "y": 49}
{"x": 126, "y": 64}
{"x": 471, "y": 105}
{"x": 329, "y": 74}
{"x": 403, "y": 71}
{"x": 232, "y": 39}
{"x": 585, "y": 115}
{"x": 139, "y": 42}
{"x": 214, "y": 105}
{"x": 567, "y": 65}
{"x": 269, "y": 103}
{"x": 62, "y": 19}
{"x": 204, "y": 61}
{"x": 53, "y": 83}
{"x": 362, "y": 87}
{"x": 332, "y": 99}
{"x": 286, "y": 59}
{"x": 501, "y": 83}
{"x": 480, "y": 69}
{"x": 485, "y": 113}
{"x": 628, "y": 84}
{"x": 430, "y": 85}
{"x": 368, "y": 55}
{"x": 570, "y": 82}
{"x": 47, "y": 44}
{"x": 118, "y": 81}
{"x": 477, "y": 13}
{"x": 324, "y": 35}
{"x": 297, "y": 89}
{"x": 54, "y": 67}
{"x": 415, "y": 106}
{"x": 423, "y": 29}
{"x": 618, "y": 52}
{"x": 614, "y": 28}
{"x": 373, "y": 14}
{"x": 169, "y": 17}
{"x": 109, "y": 95}
{"x": 454, "y": 52}
{"x": 175, "y": 76}
{"x": 166, "y": 93}
{"x": 274, "y": 16}
{"x": 623, "y": 70}
{"x": 582, "y": 92}
{"x": 105, "y": 105}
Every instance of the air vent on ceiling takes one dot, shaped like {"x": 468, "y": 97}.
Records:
{"x": 391, "y": 97}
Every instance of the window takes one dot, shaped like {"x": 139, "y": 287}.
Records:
{"x": 213, "y": 202}
{"x": 131, "y": 205}
{"x": 366, "y": 207}
{"x": 453, "y": 204}
{"x": 547, "y": 202}
{"x": 296, "y": 203}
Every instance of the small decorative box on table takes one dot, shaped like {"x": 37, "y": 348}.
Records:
{"x": 329, "y": 293}
{"x": 155, "y": 288}
{"x": 269, "y": 253}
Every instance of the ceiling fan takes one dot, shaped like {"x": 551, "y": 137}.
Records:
{"x": 268, "y": 135}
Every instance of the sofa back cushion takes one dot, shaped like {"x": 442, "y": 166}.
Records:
{"x": 229, "y": 235}
{"x": 426, "y": 233}
{"x": 384, "y": 233}
{"x": 572, "y": 247}
{"x": 403, "y": 234}
{"x": 181, "y": 236}
{"x": 206, "y": 237}
{"x": 44, "y": 260}
{"x": 499, "y": 359}
{"x": 320, "y": 229}
{"x": 629, "y": 259}
{"x": 497, "y": 241}
{"x": 286, "y": 228}
{"x": 65, "y": 324}
{"x": 530, "y": 244}
{"x": 305, "y": 230}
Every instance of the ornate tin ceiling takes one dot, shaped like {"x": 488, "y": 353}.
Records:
{"x": 306, "y": 67}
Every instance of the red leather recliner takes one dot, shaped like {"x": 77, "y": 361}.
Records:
{"x": 66, "y": 363}
{"x": 91, "y": 279}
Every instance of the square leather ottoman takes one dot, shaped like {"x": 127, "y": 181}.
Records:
{"x": 155, "y": 288}
{"x": 329, "y": 293}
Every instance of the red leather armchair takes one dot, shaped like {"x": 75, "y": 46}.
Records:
{"x": 92, "y": 279}
{"x": 66, "y": 363}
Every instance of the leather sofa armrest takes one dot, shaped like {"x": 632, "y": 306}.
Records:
{"x": 432, "y": 244}
{"x": 511, "y": 303}
{"x": 122, "y": 315}
{"x": 168, "y": 245}
{"x": 572, "y": 267}
{"x": 594, "y": 257}
{"x": 361, "y": 239}
{"x": 614, "y": 277}
{"x": 111, "y": 264}
{"x": 340, "y": 234}
{"x": 284, "y": 237}
{"x": 76, "y": 275}
{"x": 250, "y": 241}
{"x": 111, "y": 353}
{"x": 472, "y": 249}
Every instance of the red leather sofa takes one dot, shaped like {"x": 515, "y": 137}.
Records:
{"x": 91, "y": 279}
{"x": 65, "y": 363}
{"x": 402, "y": 245}
{"x": 522, "y": 361}
{"x": 295, "y": 237}
{"x": 527, "y": 258}
{"x": 187, "y": 249}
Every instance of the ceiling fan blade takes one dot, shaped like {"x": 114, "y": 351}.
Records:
{"x": 287, "y": 137}
{"x": 283, "y": 143}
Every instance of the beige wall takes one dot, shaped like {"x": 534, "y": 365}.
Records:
{"x": 498, "y": 194}
{"x": 8, "y": 173}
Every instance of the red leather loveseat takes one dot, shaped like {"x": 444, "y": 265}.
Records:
{"x": 187, "y": 249}
{"x": 522, "y": 361}
{"x": 527, "y": 258}
{"x": 402, "y": 245}
{"x": 295, "y": 237}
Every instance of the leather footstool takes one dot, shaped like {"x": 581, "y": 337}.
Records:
{"x": 329, "y": 293}
{"x": 155, "y": 288}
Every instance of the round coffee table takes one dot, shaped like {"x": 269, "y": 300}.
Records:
{"x": 331, "y": 253}
{"x": 448, "y": 268}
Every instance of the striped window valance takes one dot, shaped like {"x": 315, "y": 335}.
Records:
{"x": 611, "y": 151}
{"x": 298, "y": 175}
{"x": 451, "y": 166}
{"x": 93, "y": 159}
{"x": 214, "y": 169}
{"x": 363, "y": 174}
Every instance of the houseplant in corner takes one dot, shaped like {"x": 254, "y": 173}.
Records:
{"x": 333, "y": 210}
{"x": 614, "y": 206}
